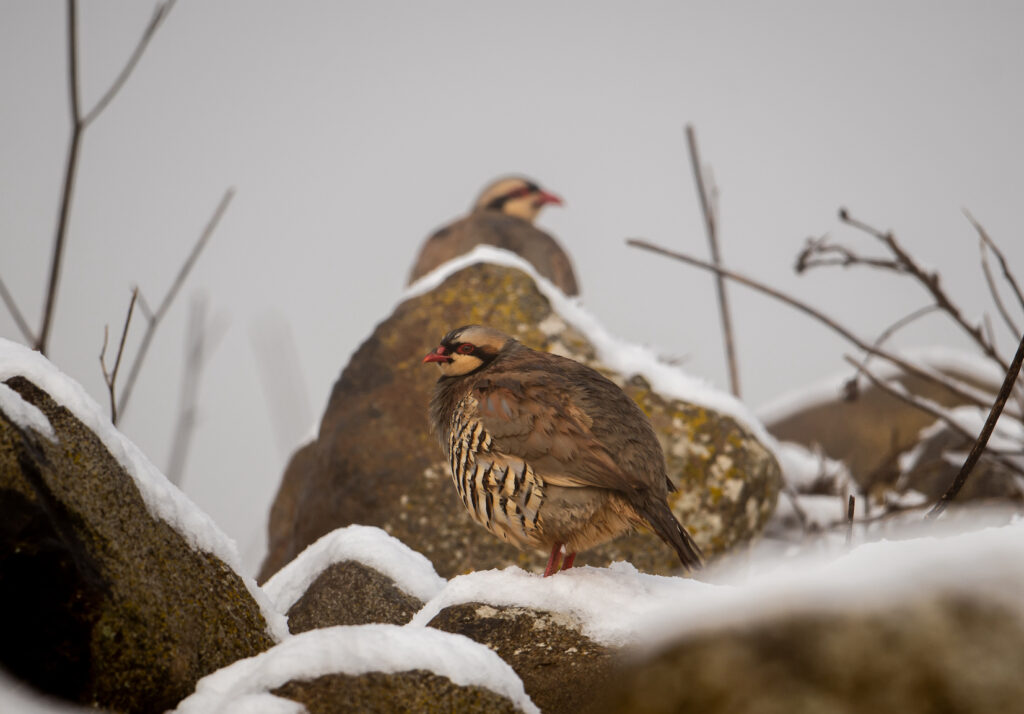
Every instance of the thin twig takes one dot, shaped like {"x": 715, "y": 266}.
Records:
{"x": 1007, "y": 273}
{"x": 78, "y": 127}
{"x": 70, "y": 169}
{"x": 816, "y": 314}
{"x": 160, "y": 13}
{"x": 19, "y": 320}
{"x": 850, "y": 505}
{"x": 993, "y": 290}
{"x": 930, "y": 281}
{"x": 851, "y": 384}
{"x": 710, "y": 226}
{"x": 154, "y": 317}
{"x": 815, "y": 248}
{"x": 986, "y": 432}
{"x": 111, "y": 377}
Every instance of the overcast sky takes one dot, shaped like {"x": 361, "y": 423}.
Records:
{"x": 352, "y": 130}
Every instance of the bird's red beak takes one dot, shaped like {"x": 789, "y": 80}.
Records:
{"x": 437, "y": 355}
{"x": 546, "y": 197}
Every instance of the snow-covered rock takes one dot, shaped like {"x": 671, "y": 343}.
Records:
{"x": 117, "y": 589}
{"x": 366, "y": 668}
{"x": 353, "y": 576}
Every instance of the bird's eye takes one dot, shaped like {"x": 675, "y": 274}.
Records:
{"x": 465, "y": 348}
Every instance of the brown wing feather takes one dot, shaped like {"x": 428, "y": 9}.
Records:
{"x": 568, "y": 422}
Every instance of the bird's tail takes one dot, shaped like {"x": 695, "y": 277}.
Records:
{"x": 670, "y": 530}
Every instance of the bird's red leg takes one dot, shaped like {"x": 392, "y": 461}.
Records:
{"x": 553, "y": 560}
{"x": 567, "y": 563}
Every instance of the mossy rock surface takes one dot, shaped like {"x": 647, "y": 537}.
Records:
{"x": 106, "y": 605}
{"x": 374, "y": 461}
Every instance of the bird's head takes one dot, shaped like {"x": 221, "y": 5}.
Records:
{"x": 467, "y": 349}
{"x": 515, "y": 196}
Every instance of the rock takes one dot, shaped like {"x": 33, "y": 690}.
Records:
{"x": 414, "y": 691}
{"x": 366, "y": 668}
{"x": 931, "y": 469}
{"x": 952, "y": 654}
{"x": 105, "y": 604}
{"x": 560, "y": 667}
{"x": 374, "y": 461}
{"x": 353, "y": 576}
{"x": 349, "y": 593}
{"x": 869, "y": 432}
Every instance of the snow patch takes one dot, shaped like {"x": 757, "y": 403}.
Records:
{"x": 623, "y": 357}
{"x": 368, "y": 545}
{"x": 356, "y": 650}
{"x": 27, "y": 416}
{"x": 619, "y": 606}
{"x": 607, "y": 602}
{"x": 162, "y": 498}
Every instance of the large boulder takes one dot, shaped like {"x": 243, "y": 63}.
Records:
{"x": 116, "y": 590}
{"x": 367, "y": 668}
{"x": 374, "y": 461}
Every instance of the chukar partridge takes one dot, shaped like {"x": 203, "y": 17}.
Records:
{"x": 546, "y": 452}
{"x": 503, "y": 216}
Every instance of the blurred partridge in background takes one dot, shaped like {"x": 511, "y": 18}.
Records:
{"x": 503, "y": 216}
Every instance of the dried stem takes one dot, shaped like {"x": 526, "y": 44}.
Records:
{"x": 79, "y": 123}
{"x": 1007, "y": 273}
{"x": 19, "y": 320}
{"x": 154, "y": 317}
{"x": 930, "y": 281}
{"x": 851, "y": 384}
{"x": 816, "y": 314}
{"x": 111, "y": 377}
{"x": 160, "y": 13}
{"x": 850, "y": 506}
{"x": 986, "y": 431}
{"x": 838, "y": 255}
{"x": 711, "y": 227}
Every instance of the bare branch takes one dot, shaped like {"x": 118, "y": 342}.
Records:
{"x": 1007, "y": 273}
{"x": 851, "y": 385}
{"x": 19, "y": 320}
{"x": 816, "y": 314}
{"x": 986, "y": 432}
{"x": 160, "y": 13}
{"x": 111, "y": 377}
{"x": 156, "y": 316}
{"x": 992, "y": 289}
{"x": 78, "y": 126}
{"x": 710, "y": 224}
{"x": 70, "y": 169}
{"x": 930, "y": 281}
{"x": 818, "y": 252}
